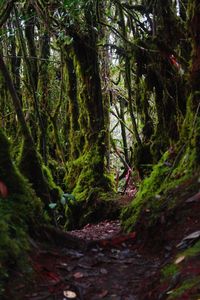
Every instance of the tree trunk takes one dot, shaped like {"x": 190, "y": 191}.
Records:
{"x": 194, "y": 24}
{"x": 30, "y": 164}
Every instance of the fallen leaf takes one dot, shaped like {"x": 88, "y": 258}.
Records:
{"x": 103, "y": 294}
{"x": 69, "y": 294}
{"x": 194, "y": 198}
{"x": 3, "y": 190}
{"x": 52, "y": 276}
{"x": 169, "y": 292}
{"x": 193, "y": 235}
{"x": 117, "y": 240}
{"x": 179, "y": 259}
{"x": 189, "y": 239}
{"x": 19, "y": 287}
{"x": 63, "y": 264}
{"x": 78, "y": 275}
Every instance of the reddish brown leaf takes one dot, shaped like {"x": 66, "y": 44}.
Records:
{"x": 3, "y": 190}
{"x": 194, "y": 198}
{"x": 78, "y": 275}
{"x": 53, "y": 276}
{"x": 117, "y": 240}
{"x": 102, "y": 294}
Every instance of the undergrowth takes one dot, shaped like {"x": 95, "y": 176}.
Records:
{"x": 154, "y": 192}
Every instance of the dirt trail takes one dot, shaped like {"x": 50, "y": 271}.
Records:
{"x": 111, "y": 269}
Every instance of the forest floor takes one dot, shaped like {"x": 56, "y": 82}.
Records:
{"x": 119, "y": 266}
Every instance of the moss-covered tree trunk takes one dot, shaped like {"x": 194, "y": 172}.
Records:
{"x": 104, "y": 69}
{"x": 194, "y": 101}
{"x": 182, "y": 162}
{"x": 86, "y": 148}
{"x": 86, "y": 175}
{"x": 20, "y": 212}
{"x": 166, "y": 92}
{"x": 44, "y": 91}
{"x": 30, "y": 162}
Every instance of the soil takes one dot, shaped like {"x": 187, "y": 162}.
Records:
{"x": 114, "y": 265}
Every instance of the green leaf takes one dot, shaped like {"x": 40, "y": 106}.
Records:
{"x": 69, "y": 3}
{"x": 70, "y": 196}
{"x": 52, "y": 205}
{"x": 63, "y": 200}
{"x": 66, "y": 198}
{"x": 68, "y": 40}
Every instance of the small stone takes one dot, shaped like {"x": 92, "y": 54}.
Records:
{"x": 103, "y": 271}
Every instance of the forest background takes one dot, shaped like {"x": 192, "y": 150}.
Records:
{"x": 96, "y": 98}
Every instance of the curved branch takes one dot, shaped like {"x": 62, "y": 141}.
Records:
{"x": 5, "y": 11}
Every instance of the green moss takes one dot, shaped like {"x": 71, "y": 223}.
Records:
{"x": 147, "y": 194}
{"x": 19, "y": 212}
{"x": 39, "y": 176}
{"x": 154, "y": 193}
{"x": 186, "y": 129}
{"x": 192, "y": 251}
{"x": 157, "y": 193}
{"x": 31, "y": 167}
{"x": 55, "y": 190}
{"x": 86, "y": 176}
{"x": 15, "y": 218}
{"x": 169, "y": 271}
{"x": 185, "y": 286}
{"x": 98, "y": 206}
{"x": 58, "y": 172}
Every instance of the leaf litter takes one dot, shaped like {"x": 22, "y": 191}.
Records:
{"x": 110, "y": 269}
